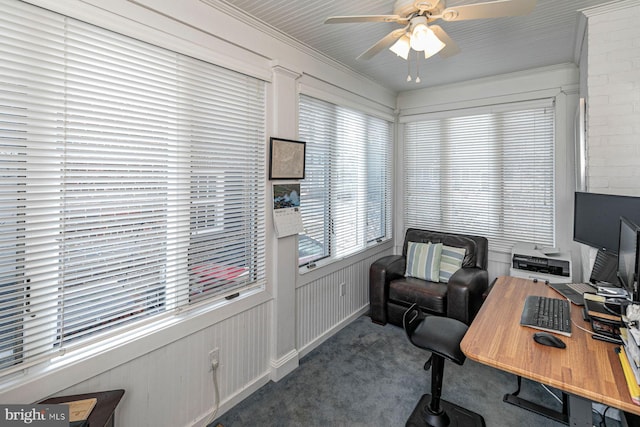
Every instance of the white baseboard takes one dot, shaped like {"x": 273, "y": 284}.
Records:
{"x": 285, "y": 365}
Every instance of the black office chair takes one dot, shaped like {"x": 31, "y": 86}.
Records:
{"x": 441, "y": 336}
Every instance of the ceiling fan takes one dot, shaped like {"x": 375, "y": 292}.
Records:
{"x": 418, "y": 33}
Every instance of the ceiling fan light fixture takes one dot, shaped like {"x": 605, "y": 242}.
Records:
{"x": 402, "y": 47}
{"x": 428, "y": 53}
{"x": 424, "y": 39}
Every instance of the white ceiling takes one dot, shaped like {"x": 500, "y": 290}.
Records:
{"x": 545, "y": 37}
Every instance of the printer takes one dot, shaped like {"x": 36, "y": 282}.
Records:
{"x": 545, "y": 264}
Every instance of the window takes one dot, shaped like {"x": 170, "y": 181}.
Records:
{"x": 132, "y": 183}
{"x": 345, "y": 197}
{"x": 488, "y": 172}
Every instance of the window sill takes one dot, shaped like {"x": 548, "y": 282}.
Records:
{"x": 328, "y": 265}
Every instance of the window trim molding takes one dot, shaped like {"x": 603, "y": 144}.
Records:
{"x": 543, "y": 82}
{"x": 335, "y": 95}
{"x": 488, "y": 109}
{"x": 321, "y": 264}
{"x": 155, "y": 27}
{"x": 513, "y": 105}
{"x": 560, "y": 82}
{"x": 323, "y": 96}
{"x": 328, "y": 266}
{"x": 120, "y": 335}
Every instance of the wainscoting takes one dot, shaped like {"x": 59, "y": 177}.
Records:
{"x": 172, "y": 386}
{"x": 327, "y": 304}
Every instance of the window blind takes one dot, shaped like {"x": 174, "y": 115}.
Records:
{"x": 132, "y": 183}
{"x": 489, "y": 173}
{"x": 345, "y": 197}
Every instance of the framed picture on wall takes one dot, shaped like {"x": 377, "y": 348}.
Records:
{"x": 286, "y": 158}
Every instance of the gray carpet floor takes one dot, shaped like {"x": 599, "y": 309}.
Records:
{"x": 371, "y": 375}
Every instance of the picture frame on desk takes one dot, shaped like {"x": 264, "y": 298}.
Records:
{"x": 602, "y": 327}
{"x": 603, "y": 322}
{"x": 596, "y": 307}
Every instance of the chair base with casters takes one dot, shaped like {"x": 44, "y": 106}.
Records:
{"x": 441, "y": 336}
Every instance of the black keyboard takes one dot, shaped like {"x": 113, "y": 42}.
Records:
{"x": 547, "y": 314}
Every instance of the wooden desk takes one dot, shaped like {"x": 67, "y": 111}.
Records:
{"x": 588, "y": 370}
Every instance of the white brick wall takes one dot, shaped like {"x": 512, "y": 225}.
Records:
{"x": 613, "y": 101}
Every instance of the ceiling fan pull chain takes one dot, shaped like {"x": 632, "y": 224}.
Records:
{"x": 417, "y": 67}
{"x": 409, "y": 68}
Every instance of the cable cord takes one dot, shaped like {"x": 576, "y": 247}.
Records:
{"x": 584, "y": 329}
{"x": 603, "y": 422}
{"x": 217, "y": 397}
{"x": 581, "y": 327}
{"x": 595, "y": 334}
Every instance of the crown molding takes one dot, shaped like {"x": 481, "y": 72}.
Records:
{"x": 230, "y": 10}
{"x": 608, "y": 7}
{"x": 586, "y": 13}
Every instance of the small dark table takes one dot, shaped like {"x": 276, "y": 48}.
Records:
{"x": 102, "y": 413}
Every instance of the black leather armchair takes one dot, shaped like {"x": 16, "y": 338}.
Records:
{"x": 391, "y": 293}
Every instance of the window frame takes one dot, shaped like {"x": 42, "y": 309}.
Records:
{"x": 498, "y": 113}
{"x": 331, "y": 114}
{"x": 179, "y": 287}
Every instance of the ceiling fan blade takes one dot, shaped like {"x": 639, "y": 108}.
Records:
{"x": 451, "y": 48}
{"x": 492, "y": 9}
{"x": 365, "y": 18}
{"x": 382, "y": 44}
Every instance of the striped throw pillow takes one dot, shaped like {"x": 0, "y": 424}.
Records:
{"x": 450, "y": 261}
{"x": 423, "y": 260}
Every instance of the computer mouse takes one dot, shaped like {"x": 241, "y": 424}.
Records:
{"x": 545, "y": 338}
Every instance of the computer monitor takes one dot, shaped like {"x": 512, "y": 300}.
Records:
{"x": 596, "y": 218}
{"x": 629, "y": 257}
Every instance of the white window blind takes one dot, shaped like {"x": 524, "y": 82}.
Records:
{"x": 132, "y": 183}
{"x": 346, "y": 195}
{"x": 488, "y": 173}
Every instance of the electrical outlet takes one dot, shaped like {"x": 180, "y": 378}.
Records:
{"x": 343, "y": 289}
{"x": 214, "y": 358}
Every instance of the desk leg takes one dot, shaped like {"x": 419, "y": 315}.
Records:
{"x": 579, "y": 409}
{"x": 580, "y": 412}
{"x": 514, "y": 399}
